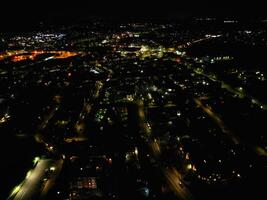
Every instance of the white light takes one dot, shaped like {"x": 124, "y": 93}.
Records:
{"x": 52, "y": 168}
{"x": 136, "y": 151}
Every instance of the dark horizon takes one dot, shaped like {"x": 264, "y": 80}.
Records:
{"x": 28, "y": 15}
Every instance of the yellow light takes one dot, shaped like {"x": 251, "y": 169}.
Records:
{"x": 36, "y": 159}
{"x": 15, "y": 190}
{"x": 189, "y": 166}
{"x": 28, "y": 174}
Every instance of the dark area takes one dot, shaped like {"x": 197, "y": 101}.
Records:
{"x": 126, "y": 100}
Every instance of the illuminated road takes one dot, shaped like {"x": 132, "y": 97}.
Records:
{"x": 22, "y": 55}
{"x": 48, "y": 117}
{"x": 239, "y": 93}
{"x": 39, "y": 137}
{"x": 51, "y": 181}
{"x": 87, "y": 107}
{"x": 34, "y": 182}
{"x": 175, "y": 181}
{"x": 218, "y": 121}
{"x": 200, "y": 40}
{"x": 236, "y": 91}
{"x": 172, "y": 176}
{"x": 257, "y": 149}
{"x": 169, "y": 105}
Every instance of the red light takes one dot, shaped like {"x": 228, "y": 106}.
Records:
{"x": 178, "y": 59}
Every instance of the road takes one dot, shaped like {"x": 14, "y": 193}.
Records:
{"x": 236, "y": 91}
{"x": 175, "y": 181}
{"x": 33, "y": 183}
{"x": 218, "y": 121}
{"x": 190, "y": 63}
{"x": 236, "y": 140}
{"x": 87, "y": 107}
{"x": 39, "y": 136}
{"x": 51, "y": 181}
{"x": 172, "y": 176}
{"x": 34, "y": 186}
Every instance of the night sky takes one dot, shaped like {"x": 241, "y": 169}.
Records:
{"x": 25, "y": 13}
